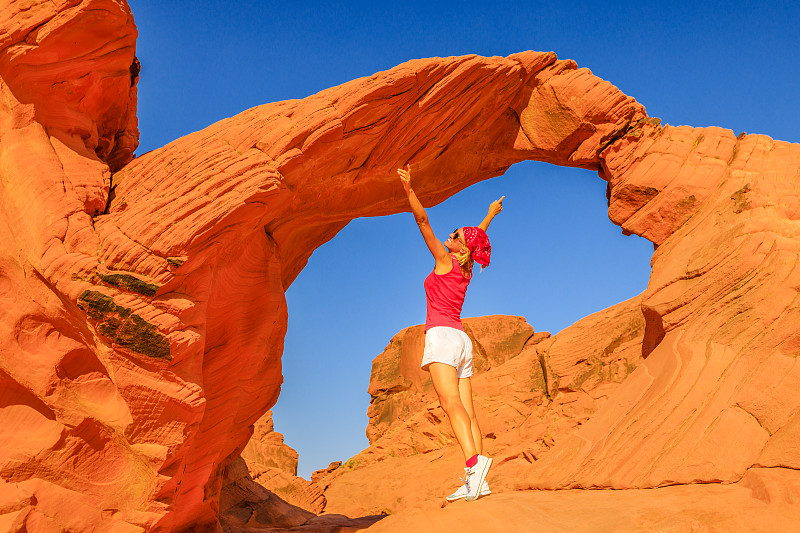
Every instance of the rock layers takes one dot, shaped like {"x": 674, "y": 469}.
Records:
{"x": 143, "y": 314}
{"x": 402, "y": 394}
{"x": 273, "y": 465}
{"x": 530, "y": 390}
{"x": 696, "y": 507}
{"x": 712, "y": 398}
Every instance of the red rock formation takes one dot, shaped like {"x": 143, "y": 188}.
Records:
{"x": 530, "y": 393}
{"x": 140, "y": 344}
{"x": 694, "y": 507}
{"x": 273, "y": 465}
{"x": 266, "y": 449}
{"x": 714, "y": 395}
{"x": 246, "y": 506}
{"x": 400, "y": 389}
{"x": 247, "y": 215}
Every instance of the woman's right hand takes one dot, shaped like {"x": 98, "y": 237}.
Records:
{"x": 405, "y": 177}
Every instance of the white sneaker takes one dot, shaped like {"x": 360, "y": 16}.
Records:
{"x": 463, "y": 490}
{"x": 476, "y": 477}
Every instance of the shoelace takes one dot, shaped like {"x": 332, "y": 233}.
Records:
{"x": 467, "y": 473}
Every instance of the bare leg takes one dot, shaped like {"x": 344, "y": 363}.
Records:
{"x": 445, "y": 382}
{"x": 465, "y": 392}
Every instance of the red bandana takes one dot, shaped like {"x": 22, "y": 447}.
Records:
{"x": 478, "y": 244}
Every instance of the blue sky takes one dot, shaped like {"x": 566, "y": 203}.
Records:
{"x": 556, "y": 257}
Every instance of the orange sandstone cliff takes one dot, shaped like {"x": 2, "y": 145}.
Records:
{"x": 530, "y": 392}
{"x": 273, "y": 465}
{"x": 143, "y": 308}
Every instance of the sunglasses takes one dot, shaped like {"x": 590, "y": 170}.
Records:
{"x": 455, "y": 232}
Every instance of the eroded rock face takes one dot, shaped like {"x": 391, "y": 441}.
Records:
{"x": 142, "y": 328}
{"x": 713, "y": 396}
{"x": 249, "y": 197}
{"x": 273, "y": 464}
{"x": 530, "y": 393}
{"x": 695, "y": 507}
{"x": 400, "y": 390}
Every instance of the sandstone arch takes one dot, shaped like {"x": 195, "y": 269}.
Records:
{"x": 143, "y": 326}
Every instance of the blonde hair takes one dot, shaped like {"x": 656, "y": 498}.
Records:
{"x": 464, "y": 259}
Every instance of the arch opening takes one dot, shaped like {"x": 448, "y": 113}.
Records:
{"x": 557, "y": 258}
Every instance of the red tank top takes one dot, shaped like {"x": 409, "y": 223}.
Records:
{"x": 445, "y": 295}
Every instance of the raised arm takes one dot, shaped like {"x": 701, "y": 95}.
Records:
{"x": 437, "y": 249}
{"x": 494, "y": 208}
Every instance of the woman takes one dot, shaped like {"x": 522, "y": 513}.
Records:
{"x": 448, "y": 350}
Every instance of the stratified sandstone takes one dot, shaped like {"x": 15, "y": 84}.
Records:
{"x": 143, "y": 314}
{"x": 266, "y": 449}
{"x": 530, "y": 392}
{"x": 273, "y": 464}
{"x": 247, "y": 507}
{"x": 400, "y": 390}
{"x": 225, "y": 218}
{"x": 733, "y": 508}
{"x": 245, "y": 504}
{"x": 714, "y": 396}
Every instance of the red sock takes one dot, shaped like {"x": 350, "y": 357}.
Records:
{"x": 472, "y": 461}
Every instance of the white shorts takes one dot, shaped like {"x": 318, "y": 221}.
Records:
{"x": 449, "y": 346}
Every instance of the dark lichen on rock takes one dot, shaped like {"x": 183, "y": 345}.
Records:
{"x": 129, "y": 283}
{"x": 740, "y": 201}
{"x": 98, "y": 305}
{"x": 142, "y": 337}
{"x": 123, "y": 326}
